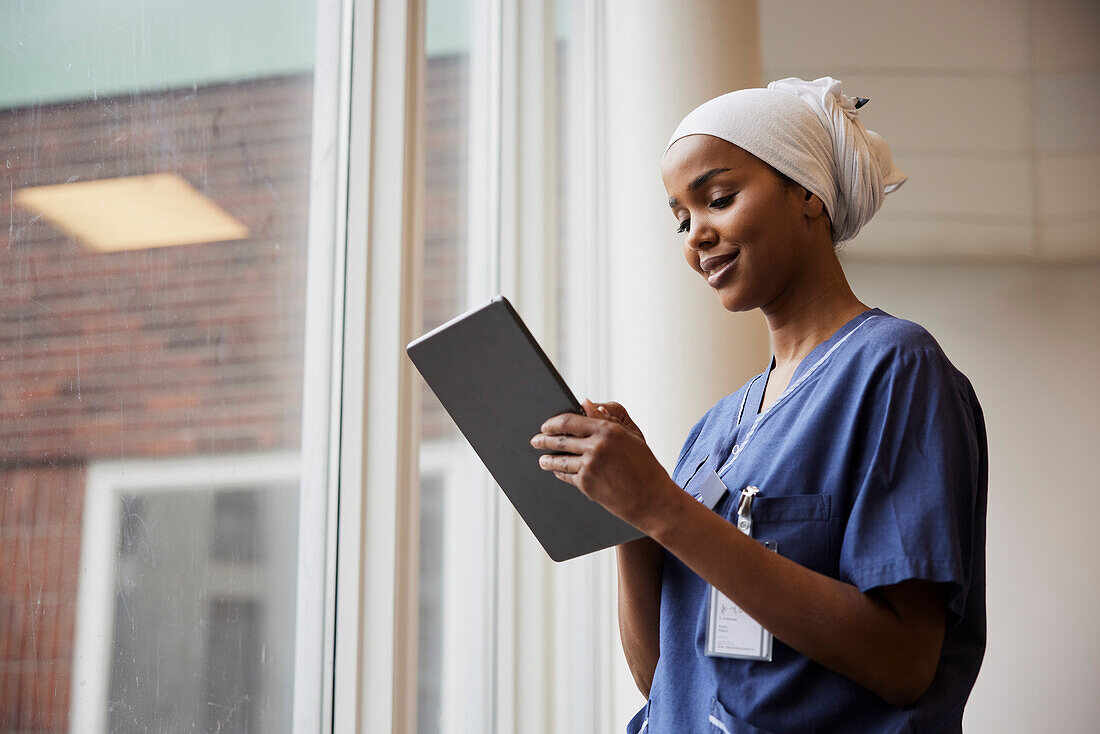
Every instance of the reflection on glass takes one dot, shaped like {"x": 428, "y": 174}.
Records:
{"x": 194, "y": 587}
{"x": 155, "y": 160}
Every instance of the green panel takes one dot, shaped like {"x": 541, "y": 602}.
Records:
{"x": 447, "y": 27}
{"x": 52, "y": 50}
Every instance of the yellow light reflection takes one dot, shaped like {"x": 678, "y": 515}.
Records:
{"x": 133, "y": 213}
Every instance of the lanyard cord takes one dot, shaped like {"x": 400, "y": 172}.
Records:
{"x": 785, "y": 396}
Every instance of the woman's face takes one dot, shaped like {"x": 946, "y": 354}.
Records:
{"x": 744, "y": 231}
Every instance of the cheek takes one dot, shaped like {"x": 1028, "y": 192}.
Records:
{"x": 691, "y": 257}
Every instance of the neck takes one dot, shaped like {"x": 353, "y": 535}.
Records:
{"x": 810, "y": 310}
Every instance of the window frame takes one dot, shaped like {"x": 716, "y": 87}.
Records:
{"x": 537, "y": 605}
{"x": 107, "y": 482}
{"x": 378, "y": 151}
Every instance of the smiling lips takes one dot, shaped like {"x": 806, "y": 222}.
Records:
{"x": 715, "y": 267}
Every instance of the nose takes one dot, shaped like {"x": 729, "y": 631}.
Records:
{"x": 701, "y": 236}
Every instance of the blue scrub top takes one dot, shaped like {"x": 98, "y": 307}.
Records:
{"x": 872, "y": 469}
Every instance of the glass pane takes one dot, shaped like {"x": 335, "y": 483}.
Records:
{"x": 575, "y": 163}
{"x": 155, "y": 200}
{"x": 456, "y": 525}
{"x": 194, "y": 587}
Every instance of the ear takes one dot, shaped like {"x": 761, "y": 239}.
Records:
{"x": 812, "y": 206}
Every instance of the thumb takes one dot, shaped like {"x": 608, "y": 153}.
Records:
{"x": 590, "y": 409}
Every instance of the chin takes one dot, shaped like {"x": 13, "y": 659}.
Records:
{"x": 735, "y": 302}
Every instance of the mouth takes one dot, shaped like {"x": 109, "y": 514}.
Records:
{"x": 715, "y": 268}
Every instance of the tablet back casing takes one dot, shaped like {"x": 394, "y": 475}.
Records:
{"x": 498, "y": 386}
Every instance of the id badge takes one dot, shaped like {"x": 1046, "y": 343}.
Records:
{"x": 710, "y": 490}
{"x": 730, "y": 632}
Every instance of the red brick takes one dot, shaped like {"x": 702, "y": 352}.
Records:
{"x": 72, "y": 499}
{"x": 69, "y": 560}
{"x": 11, "y": 631}
{"x": 54, "y": 694}
{"x": 16, "y": 499}
{"x": 45, "y": 497}
{"x": 49, "y": 692}
{"x": 28, "y": 697}
{"x": 37, "y": 637}
{"x": 17, "y": 578}
{"x": 65, "y": 629}
{"x": 9, "y": 698}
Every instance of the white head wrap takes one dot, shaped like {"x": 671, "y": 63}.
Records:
{"x": 811, "y": 132}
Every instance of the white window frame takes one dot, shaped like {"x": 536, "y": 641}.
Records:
{"x": 468, "y": 587}
{"x": 548, "y": 619}
{"x": 374, "y": 680}
{"x": 106, "y": 483}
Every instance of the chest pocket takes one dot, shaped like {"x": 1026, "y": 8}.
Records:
{"x": 799, "y": 524}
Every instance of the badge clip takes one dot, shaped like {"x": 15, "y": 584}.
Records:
{"x": 744, "y": 509}
{"x": 730, "y": 632}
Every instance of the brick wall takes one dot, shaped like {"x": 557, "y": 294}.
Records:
{"x": 39, "y": 547}
{"x": 444, "y": 290}
{"x": 166, "y": 351}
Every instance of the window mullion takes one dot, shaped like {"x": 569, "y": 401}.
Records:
{"x": 376, "y": 645}
{"x": 315, "y": 633}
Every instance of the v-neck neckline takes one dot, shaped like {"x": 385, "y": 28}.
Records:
{"x": 748, "y": 423}
{"x": 755, "y": 402}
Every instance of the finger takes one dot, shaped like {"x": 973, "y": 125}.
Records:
{"x": 591, "y": 409}
{"x": 571, "y": 424}
{"x": 560, "y": 443}
{"x": 564, "y": 463}
{"x": 597, "y": 410}
{"x": 607, "y": 415}
{"x": 567, "y": 478}
{"x": 617, "y": 414}
{"x": 618, "y": 411}
{"x": 572, "y": 479}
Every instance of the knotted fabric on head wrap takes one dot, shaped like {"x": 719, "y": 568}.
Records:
{"x": 811, "y": 132}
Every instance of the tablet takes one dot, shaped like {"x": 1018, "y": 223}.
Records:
{"x": 498, "y": 386}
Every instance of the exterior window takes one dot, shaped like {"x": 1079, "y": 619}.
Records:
{"x": 186, "y": 604}
{"x": 197, "y": 263}
{"x": 156, "y": 202}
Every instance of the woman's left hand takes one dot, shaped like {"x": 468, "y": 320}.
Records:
{"x": 605, "y": 456}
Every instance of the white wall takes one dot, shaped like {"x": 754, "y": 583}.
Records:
{"x": 991, "y": 106}
{"x": 664, "y": 362}
{"x": 1029, "y": 340}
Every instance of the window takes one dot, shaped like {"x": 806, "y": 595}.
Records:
{"x": 186, "y": 605}
{"x": 506, "y": 639}
{"x": 226, "y": 501}
{"x": 163, "y": 483}
{"x": 457, "y": 514}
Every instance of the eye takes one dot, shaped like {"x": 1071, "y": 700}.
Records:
{"x": 722, "y": 202}
{"x": 684, "y": 226}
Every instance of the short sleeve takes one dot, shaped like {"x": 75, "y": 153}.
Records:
{"x": 918, "y": 509}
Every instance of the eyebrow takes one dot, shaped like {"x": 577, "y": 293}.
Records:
{"x": 698, "y": 182}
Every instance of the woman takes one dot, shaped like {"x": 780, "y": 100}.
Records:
{"x": 855, "y": 463}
